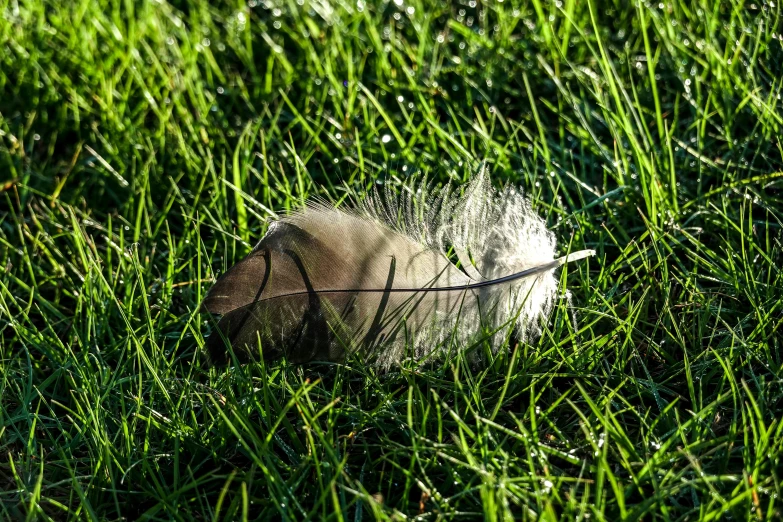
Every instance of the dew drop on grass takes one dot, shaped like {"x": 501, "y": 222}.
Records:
{"x": 386, "y": 138}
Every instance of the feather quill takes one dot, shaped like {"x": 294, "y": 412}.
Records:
{"x": 325, "y": 282}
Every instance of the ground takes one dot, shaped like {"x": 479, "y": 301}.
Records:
{"x": 144, "y": 146}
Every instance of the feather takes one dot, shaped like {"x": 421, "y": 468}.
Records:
{"x": 375, "y": 280}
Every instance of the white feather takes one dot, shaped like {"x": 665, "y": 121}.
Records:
{"x": 378, "y": 280}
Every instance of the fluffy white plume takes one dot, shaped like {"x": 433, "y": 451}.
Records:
{"x": 378, "y": 280}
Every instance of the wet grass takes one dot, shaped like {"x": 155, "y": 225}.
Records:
{"x": 143, "y": 144}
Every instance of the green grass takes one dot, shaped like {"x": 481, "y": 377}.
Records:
{"x": 143, "y": 144}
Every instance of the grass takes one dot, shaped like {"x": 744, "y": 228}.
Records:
{"x": 144, "y": 144}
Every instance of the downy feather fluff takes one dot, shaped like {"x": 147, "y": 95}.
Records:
{"x": 377, "y": 280}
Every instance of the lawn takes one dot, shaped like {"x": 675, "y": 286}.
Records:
{"x": 145, "y": 145}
